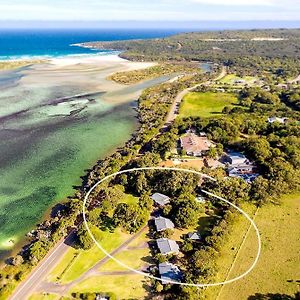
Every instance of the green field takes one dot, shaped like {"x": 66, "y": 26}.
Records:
{"x": 208, "y": 104}
{"x": 77, "y": 262}
{"x": 44, "y": 296}
{"x": 231, "y": 78}
{"x": 276, "y": 271}
{"x": 124, "y": 286}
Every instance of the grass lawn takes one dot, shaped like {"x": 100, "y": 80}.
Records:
{"x": 71, "y": 268}
{"x": 208, "y": 104}
{"x": 131, "y": 258}
{"x": 45, "y": 296}
{"x": 124, "y": 286}
{"x": 231, "y": 78}
{"x": 277, "y": 269}
{"x": 129, "y": 199}
{"x": 230, "y": 249}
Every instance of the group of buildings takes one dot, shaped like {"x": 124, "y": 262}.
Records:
{"x": 236, "y": 164}
{"x": 239, "y": 166}
{"x": 168, "y": 271}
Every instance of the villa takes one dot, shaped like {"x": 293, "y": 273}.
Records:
{"x": 162, "y": 224}
{"x": 167, "y": 246}
{"x": 169, "y": 272}
{"x": 195, "y": 145}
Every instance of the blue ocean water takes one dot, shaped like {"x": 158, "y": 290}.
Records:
{"x": 22, "y": 44}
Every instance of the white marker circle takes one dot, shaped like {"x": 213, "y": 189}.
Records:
{"x": 208, "y": 193}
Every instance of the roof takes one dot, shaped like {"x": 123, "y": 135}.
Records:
{"x": 200, "y": 199}
{"x": 236, "y": 155}
{"x": 247, "y": 177}
{"x": 194, "y": 143}
{"x": 163, "y": 224}
{"x": 168, "y": 271}
{"x": 237, "y": 158}
{"x": 167, "y": 246}
{"x": 276, "y": 119}
{"x": 194, "y": 236}
{"x": 160, "y": 199}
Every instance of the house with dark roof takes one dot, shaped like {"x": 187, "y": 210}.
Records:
{"x": 169, "y": 272}
{"x": 162, "y": 224}
{"x": 167, "y": 246}
{"x": 160, "y": 199}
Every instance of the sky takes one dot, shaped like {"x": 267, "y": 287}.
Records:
{"x": 145, "y": 10}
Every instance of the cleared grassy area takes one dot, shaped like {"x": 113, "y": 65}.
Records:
{"x": 44, "y": 296}
{"x": 129, "y": 199}
{"x": 232, "y": 78}
{"x": 71, "y": 268}
{"x": 276, "y": 271}
{"x": 278, "y": 267}
{"x": 136, "y": 255}
{"x": 124, "y": 286}
{"x": 208, "y": 104}
{"x": 230, "y": 249}
{"x": 131, "y": 258}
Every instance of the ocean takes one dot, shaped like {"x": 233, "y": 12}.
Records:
{"x": 46, "y": 43}
{"x": 48, "y": 135}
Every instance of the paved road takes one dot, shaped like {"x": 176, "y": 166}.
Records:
{"x": 26, "y": 288}
{"x": 175, "y": 106}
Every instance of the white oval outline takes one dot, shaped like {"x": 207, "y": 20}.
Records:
{"x": 206, "y": 192}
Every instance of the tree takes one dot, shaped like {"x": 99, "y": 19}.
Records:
{"x": 94, "y": 215}
{"x": 84, "y": 239}
{"x": 38, "y": 250}
{"x": 158, "y": 287}
{"x": 17, "y": 260}
{"x": 260, "y": 191}
{"x": 130, "y": 216}
{"x": 145, "y": 202}
{"x": 185, "y": 211}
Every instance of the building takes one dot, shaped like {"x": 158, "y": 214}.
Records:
{"x": 162, "y": 224}
{"x": 167, "y": 246}
{"x": 235, "y": 158}
{"x": 241, "y": 167}
{"x": 247, "y": 177}
{"x": 194, "y": 236}
{"x": 200, "y": 199}
{"x": 169, "y": 272}
{"x": 276, "y": 119}
{"x": 240, "y": 81}
{"x": 195, "y": 145}
{"x": 160, "y": 199}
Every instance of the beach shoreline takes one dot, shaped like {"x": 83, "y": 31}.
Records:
{"x": 72, "y": 70}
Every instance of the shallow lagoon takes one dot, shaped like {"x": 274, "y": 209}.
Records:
{"x": 49, "y": 134}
